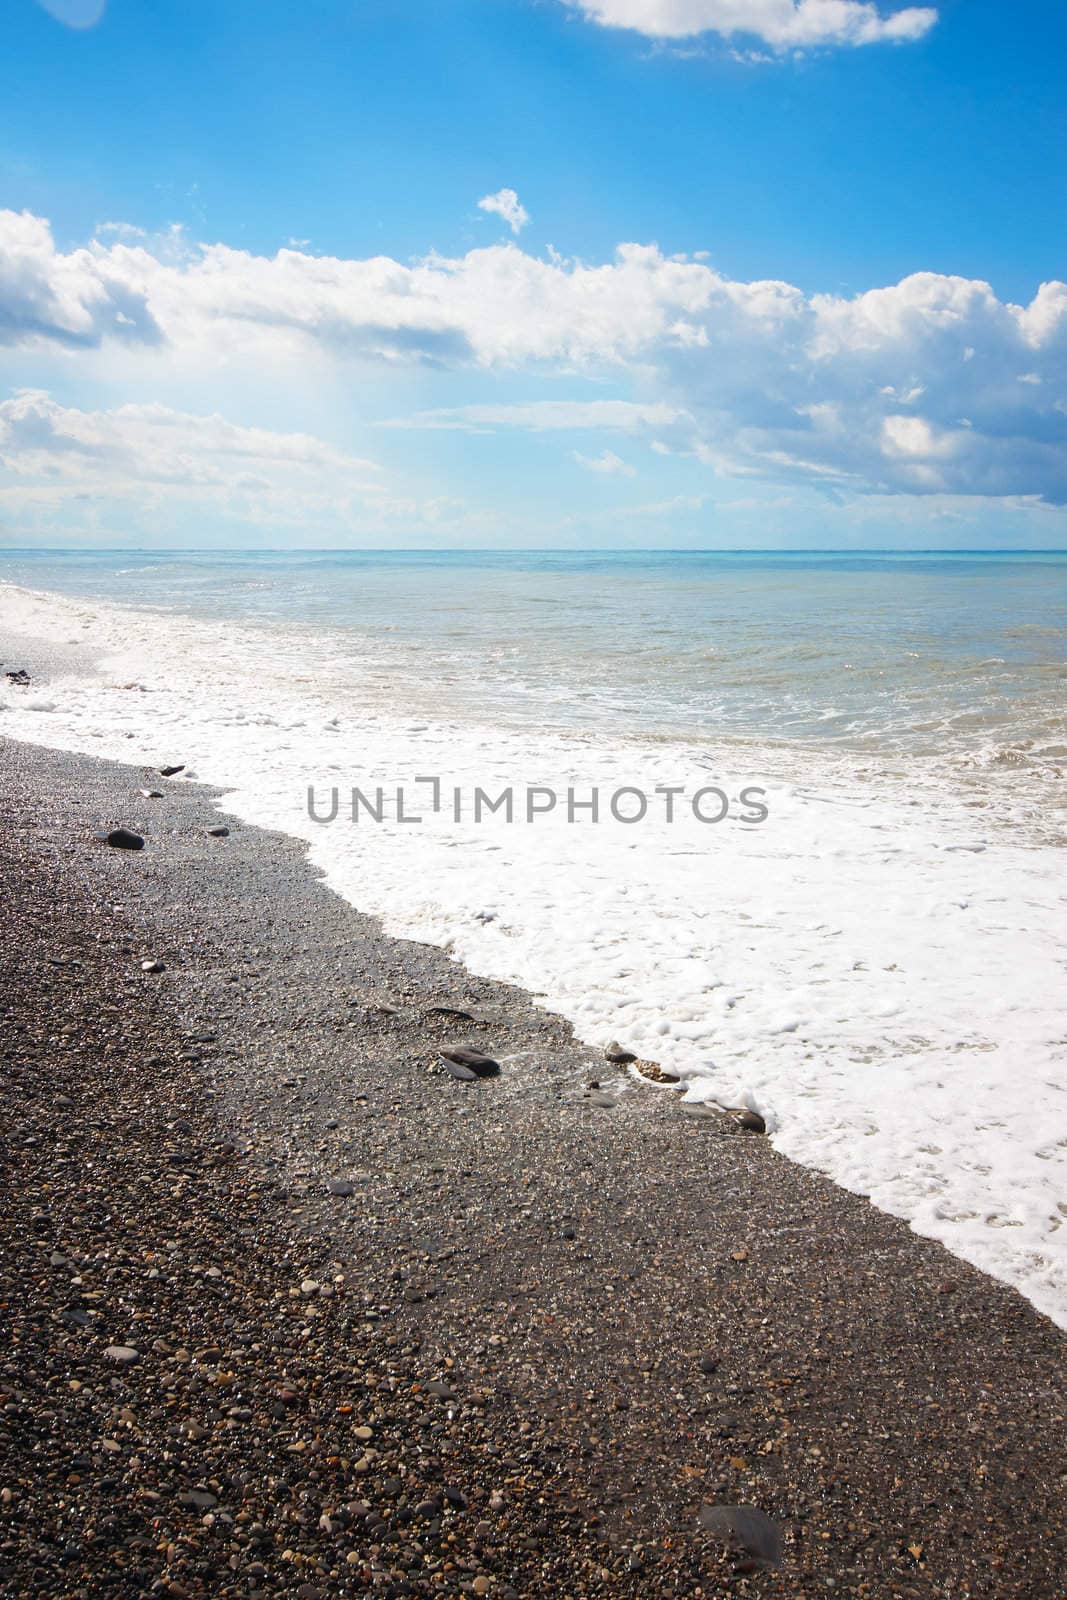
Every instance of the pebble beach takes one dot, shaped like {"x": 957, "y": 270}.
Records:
{"x": 294, "y": 1311}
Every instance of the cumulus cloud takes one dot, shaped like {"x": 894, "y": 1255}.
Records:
{"x": 607, "y": 463}
{"x": 76, "y": 300}
{"x": 505, "y": 203}
{"x": 930, "y": 385}
{"x": 781, "y": 24}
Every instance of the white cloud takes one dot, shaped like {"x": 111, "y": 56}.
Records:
{"x": 546, "y": 416}
{"x": 153, "y": 444}
{"x": 75, "y": 13}
{"x": 164, "y": 466}
{"x": 505, "y": 203}
{"x": 781, "y": 24}
{"x": 755, "y": 379}
{"x": 607, "y": 462}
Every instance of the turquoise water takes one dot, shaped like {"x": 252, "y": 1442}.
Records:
{"x": 913, "y": 652}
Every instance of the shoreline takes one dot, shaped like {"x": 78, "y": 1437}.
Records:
{"x": 635, "y": 1310}
{"x": 744, "y": 959}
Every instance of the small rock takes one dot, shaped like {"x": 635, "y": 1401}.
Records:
{"x": 746, "y": 1118}
{"x": 218, "y": 833}
{"x": 153, "y": 964}
{"x": 19, "y": 676}
{"x": 654, "y": 1072}
{"x": 310, "y": 1286}
{"x": 441, "y": 1390}
{"x": 756, "y": 1539}
{"x": 460, "y": 1073}
{"x": 476, "y": 1061}
{"x": 340, "y": 1187}
{"x": 618, "y": 1055}
{"x": 123, "y": 1354}
{"x": 170, "y": 772}
{"x": 124, "y": 839}
{"x": 199, "y": 1499}
{"x": 151, "y": 794}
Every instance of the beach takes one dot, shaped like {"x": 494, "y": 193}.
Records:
{"x": 533, "y": 801}
{"x": 822, "y": 877}
{"x": 393, "y": 1332}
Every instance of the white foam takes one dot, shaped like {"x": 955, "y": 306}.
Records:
{"x": 877, "y": 967}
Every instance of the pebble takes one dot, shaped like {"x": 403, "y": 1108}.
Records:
{"x": 124, "y": 1354}
{"x": 749, "y": 1120}
{"x": 340, "y": 1187}
{"x": 476, "y": 1061}
{"x": 151, "y": 794}
{"x": 124, "y": 839}
{"x": 153, "y": 964}
{"x": 748, "y": 1530}
{"x": 460, "y": 1073}
{"x": 170, "y": 772}
{"x": 218, "y": 833}
{"x": 199, "y": 1499}
{"x": 618, "y": 1055}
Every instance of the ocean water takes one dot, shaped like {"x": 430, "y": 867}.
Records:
{"x": 826, "y": 874}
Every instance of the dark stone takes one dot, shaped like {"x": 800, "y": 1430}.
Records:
{"x": 455, "y": 1070}
{"x": 218, "y": 833}
{"x": 169, "y": 772}
{"x": 340, "y": 1187}
{"x": 749, "y": 1120}
{"x": 125, "y": 839}
{"x": 151, "y": 794}
{"x": 481, "y": 1065}
{"x": 18, "y": 676}
{"x": 709, "y": 1363}
{"x": 616, "y": 1054}
{"x": 749, "y": 1532}
{"x": 441, "y": 1390}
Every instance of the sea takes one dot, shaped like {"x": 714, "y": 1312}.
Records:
{"x": 791, "y": 825}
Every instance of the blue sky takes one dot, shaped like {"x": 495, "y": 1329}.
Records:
{"x": 868, "y": 200}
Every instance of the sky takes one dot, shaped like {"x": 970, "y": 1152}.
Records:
{"x": 533, "y": 273}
